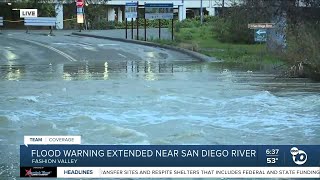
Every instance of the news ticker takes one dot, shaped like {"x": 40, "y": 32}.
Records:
{"x": 65, "y": 157}
{"x": 171, "y": 172}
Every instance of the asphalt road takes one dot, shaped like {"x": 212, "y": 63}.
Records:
{"x": 38, "y": 48}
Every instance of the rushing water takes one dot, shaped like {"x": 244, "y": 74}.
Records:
{"x": 152, "y": 103}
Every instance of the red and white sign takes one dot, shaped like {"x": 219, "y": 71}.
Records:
{"x": 80, "y": 3}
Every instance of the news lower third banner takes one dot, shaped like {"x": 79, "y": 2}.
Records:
{"x": 170, "y": 161}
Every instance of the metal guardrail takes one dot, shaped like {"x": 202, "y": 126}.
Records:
{"x": 40, "y": 21}
{"x": 1, "y": 21}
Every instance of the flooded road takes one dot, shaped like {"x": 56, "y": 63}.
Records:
{"x": 196, "y": 104}
{"x": 153, "y": 102}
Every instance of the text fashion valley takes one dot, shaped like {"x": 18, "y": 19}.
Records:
{"x": 54, "y": 161}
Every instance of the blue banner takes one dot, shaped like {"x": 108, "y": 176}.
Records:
{"x": 134, "y": 4}
{"x": 159, "y": 5}
{"x": 170, "y": 155}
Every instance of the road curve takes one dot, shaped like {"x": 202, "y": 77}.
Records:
{"x": 38, "y": 48}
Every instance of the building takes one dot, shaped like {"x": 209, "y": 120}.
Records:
{"x": 115, "y": 8}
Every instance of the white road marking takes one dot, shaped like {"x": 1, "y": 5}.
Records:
{"x": 84, "y": 46}
{"x": 10, "y": 55}
{"x": 88, "y": 47}
{"x": 53, "y": 49}
{"x": 101, "y": 45}
{"x": 85, "y": 43}
{"x": 60, "y": 43}
{"x": 122, "y": 55}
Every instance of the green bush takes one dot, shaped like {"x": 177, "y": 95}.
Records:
{"x": 177, "y": 27}
{"x": 205, "y": 32}
{"x": 103, "y": 24}
{"x": 178, "y": 38}
{"x": 194, "y": 23}
{"x": 149, "y": 24}
{"x": 120, "y": 25}
{"x": 233, "y": 26}
{"x": 71, "y": 24}
{"x": 188, "y": 35}
{"x": 206, "y": 19}
{"x": 232, "y": 30}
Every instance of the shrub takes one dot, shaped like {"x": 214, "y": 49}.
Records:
{"x": 303, "y": 49}
{"x": 233, "y": 31}
{"x": 71, "y": 24}
{"x": 233, "y": 26}
{"x": 188, "y": 35}
{"x": 206, "y": 18}
{"x": 177, "y": 27}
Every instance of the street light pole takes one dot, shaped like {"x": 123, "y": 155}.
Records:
{"x": 201, "y": 12}
{"x": 222, "y": 7}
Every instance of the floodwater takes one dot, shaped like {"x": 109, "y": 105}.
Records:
{"x": 153, "y": 103}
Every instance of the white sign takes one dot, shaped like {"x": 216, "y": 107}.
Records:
{"x": 158, "y": 11}
{"x": 261, "y": 25}
{"x": 80, "y": 19}
{"x": 131, "y": 10}
{"x": 28, "y": 13}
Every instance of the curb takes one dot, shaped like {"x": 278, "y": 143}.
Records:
{"x": 193, "y": 54}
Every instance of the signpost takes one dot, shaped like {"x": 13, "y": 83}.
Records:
{"x": 131, "y": 11}
{"x": 80, "y": 16}
{"x": 261, "y": 25}
{"x": 159, "y": 11}
{"x": 260, "y": 35}
{"x": 260, "y": 30}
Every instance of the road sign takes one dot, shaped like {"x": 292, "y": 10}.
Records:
{"x": 158, "y": 11}
{"x": 261, "y": 25}
{"x": 79, "y": 10}
{"x": 28, "y": 13}
{"x": 80, "y": 3}
{"x": 260, "y": 35}
{"x": 80, "y": 18}
{"x": 131, "y": 10}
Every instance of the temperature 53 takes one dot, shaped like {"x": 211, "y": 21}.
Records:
{"x": 272, "y": 160}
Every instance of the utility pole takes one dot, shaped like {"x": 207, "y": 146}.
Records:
{"x": 201, "y": 12}
{"x": 222, "y": 7}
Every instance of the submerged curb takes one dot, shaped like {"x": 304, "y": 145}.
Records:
{"x": 193, "y": 54}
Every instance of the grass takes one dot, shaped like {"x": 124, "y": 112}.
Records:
{"x": 202, "y": 39}
{"x": 302, "y": 47}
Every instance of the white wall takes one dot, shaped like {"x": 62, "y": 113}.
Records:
{"x": 182, "y": 5}
{"x": 59, "y": 16}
